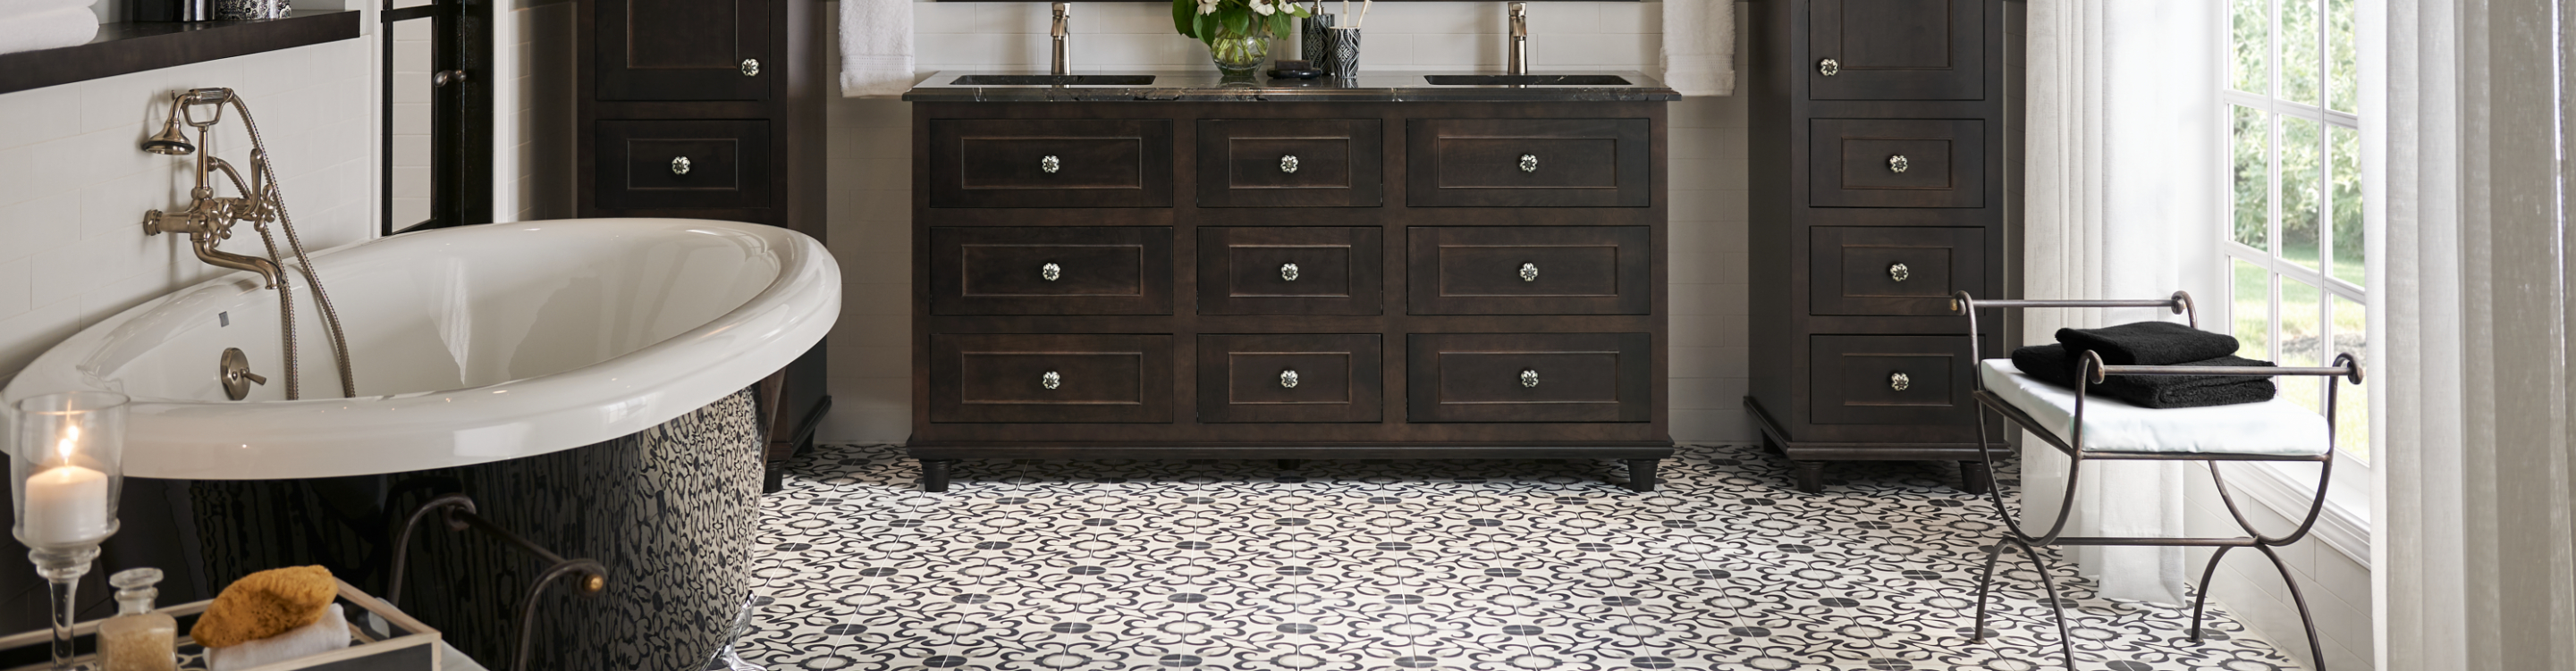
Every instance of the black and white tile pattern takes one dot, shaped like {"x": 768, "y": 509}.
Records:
{"x": 1356, "y": 565}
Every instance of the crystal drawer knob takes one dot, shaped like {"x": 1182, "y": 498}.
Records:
{"x": 680, "y": 165}
{"x": 1050, "y": 271}
{"x": 1529, "y": 163}
{"x": 1050, "y": 164}
{"x": 1898, "y": 163}
{"x": 1529, "y": 377}
{"x": 1829, "y": 67}
{"x": 751, "y": 67}
{"x": 1899, "y": 272}
{"x": 1899, "y": 381}
{"x": 1288, "y": 379}
{"x": 1050, "y": 380}
{"x": 1288, "y": 271}
{"x": 1529, "y": 272}
{"x": 1288, "y": 164}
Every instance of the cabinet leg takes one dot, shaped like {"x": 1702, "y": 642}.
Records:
{"x": 1641, "y": 474}
{"x": 773, "y": 477}
{"x": 934, "y": 474}
{"x": 1810, "y": 474}
{"x": 1975, "y": 477}
{"x": 1291, "y": 464}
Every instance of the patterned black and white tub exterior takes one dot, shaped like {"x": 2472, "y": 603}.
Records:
{"x": 670, "y": 511}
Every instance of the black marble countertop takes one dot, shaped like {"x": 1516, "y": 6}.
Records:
{"x": 1208, "y": 87}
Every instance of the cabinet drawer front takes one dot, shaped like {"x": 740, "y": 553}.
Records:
{"x": 1051, "y": 271}
{"x": 1050, "y": 163}
{"x": 1050, "y": 378}
{"x": 1289, "y": 378}
{"x": 1529, "y": 162}
{"x": 685, "y": 50}
{"x": 1893, "y": 270}
{"x": 1530, "y": 377}
{"x": 1290, "y": 271}
{"x": 1898, "y": 163}
{"x": 1897, "y": 49}
{"x": 683, "y": 164}
{"x": 1530, "y": 270}
{"x": 1289, "y": 163}
{"x": 1874, "y": 379}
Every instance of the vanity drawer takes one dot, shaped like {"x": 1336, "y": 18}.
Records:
{"x": 1289, "y": 378}
{"x": 1528, "y": 163}
{"x": 1883, "y": 379}
{"x": 1897, "y": 163}
{"x": 1290, "y": 271}
{"x": 1289, "y": 163}
{"x": 1050, "y": 378}
{"x": 1050, "y": 163}
{"x": 683, "y": 164}
{"x": 1893, "y": 270}
{"x": 1529, "y": 377}
{"x": 1051, "y": 270}
{"x": 1530, "y": 270}
{"x": 1896, "y": 49}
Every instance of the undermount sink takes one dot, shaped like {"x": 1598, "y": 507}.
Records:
{"x": 1527, "y": 80}
{"x": 1054, "y": 80}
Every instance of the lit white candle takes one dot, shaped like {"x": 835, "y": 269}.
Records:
{"x": 66, "y": 504}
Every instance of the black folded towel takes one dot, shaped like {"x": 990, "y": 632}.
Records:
{"x": 2051, "y": 364}
{"x": 2149, "y": 343}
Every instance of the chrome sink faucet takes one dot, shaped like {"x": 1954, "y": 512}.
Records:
{"x": 1062, "y": 34}
{"x": 1517, "y": 60}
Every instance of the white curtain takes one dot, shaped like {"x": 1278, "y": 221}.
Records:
{"x": 2475, "y": 564}
{"x": 2123, "y": 135}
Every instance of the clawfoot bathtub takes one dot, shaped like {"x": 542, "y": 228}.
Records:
{"x": 585, "y": 381}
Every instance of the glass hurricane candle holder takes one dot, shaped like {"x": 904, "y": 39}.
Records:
{"x": 66, "y": 470}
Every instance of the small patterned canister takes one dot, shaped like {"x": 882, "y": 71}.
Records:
{"x": 242, "y": 10}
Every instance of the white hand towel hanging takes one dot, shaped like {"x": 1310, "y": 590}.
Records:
{"x": 876, "y": 47}
{"x": 1699, "y": 47}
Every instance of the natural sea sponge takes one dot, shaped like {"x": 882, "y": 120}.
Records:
{"x": 266, "y": 604}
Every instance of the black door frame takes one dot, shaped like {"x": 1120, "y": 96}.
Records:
{"x": 460, "y": 118}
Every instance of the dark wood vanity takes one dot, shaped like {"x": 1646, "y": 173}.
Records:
{"x": 1373, "y": 270}
{"x": 1883, "y": 144}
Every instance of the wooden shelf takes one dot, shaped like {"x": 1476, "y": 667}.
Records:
{"x": 121, "y": 48}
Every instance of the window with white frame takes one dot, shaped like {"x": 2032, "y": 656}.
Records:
{"x": 2293, "y": 250}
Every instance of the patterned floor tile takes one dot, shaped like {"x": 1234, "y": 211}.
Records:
{"x": 1394, "y": 566}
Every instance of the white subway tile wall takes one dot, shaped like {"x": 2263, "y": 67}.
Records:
{"x": 871, "y": 176}
{"x": 74, "y": 185}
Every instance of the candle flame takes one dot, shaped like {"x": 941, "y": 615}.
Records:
{"x": 71, "y": 439}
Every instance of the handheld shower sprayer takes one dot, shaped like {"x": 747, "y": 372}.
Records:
{"x": 209, "y": 220}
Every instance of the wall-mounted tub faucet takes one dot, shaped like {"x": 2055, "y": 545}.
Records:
{"x": 209, "y": 219}
{"x": 1062, "y": 35}
{"x": 1517, "y": 60}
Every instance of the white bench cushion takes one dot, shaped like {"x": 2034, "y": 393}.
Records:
{"x": 2274, "y": 427}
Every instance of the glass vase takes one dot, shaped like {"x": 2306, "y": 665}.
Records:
{"x": 1238, "y": 56}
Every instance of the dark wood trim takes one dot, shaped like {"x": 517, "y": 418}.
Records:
{"x": 129, "y": 47}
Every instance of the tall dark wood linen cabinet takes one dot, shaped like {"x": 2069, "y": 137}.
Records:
{"x": 710, "y": 109}
{"x": 1886, "y": 158}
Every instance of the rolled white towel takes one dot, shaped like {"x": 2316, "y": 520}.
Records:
{"x": 48, "y": 29}
{"x": 1699, "y": 47}
{"x": 13, "y": 9}
{"x": 876, "y": 47}
{"x": 323, "y": 635}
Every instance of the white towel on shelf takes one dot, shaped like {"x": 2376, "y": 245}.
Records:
{"x": 1699, "y": 47}
{"x": 11, "y": 10}
{"x": 48, "y": 29}
{"x": 876, "y": 47}
{"x": 323, "y": 635}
